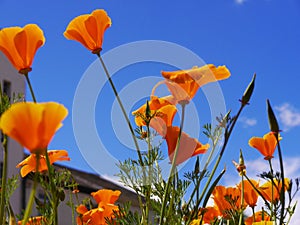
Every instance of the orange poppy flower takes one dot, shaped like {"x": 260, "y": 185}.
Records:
{"x": 38, "y": 220}
{"x": 188, "y": 146}
{"x": 250, "y": 195}
{"x": 89, "y": 29}
{"x": 184, "y": 84}
{"x": 266, "y": 189}
{"x": 164, "y": 118}
{"x": 211, "y": 214}
{"x": 29, "y": 164}
{"x": 105, "y": 199}
{"x": 226, "y": 198}
{"x": 260, "y": 216}
{"x": 33, "y": 124}
{"x": 20, "y": 45}
{"x": 265, "y": 145}
{"x": 106, "y": 196}
{"x": 97, "y": 216}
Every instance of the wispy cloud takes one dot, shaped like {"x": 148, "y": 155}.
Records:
{"x": 240, "y": 2}
{"x": 288, "y": 116}
{"x": 248, "y": 122}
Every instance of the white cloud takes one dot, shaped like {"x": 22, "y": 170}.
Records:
{"x": 248, "y": 122}
{"x": 240, "y": 2}
{"x": 288, "y": 116}
{"x": 291, "y": 166}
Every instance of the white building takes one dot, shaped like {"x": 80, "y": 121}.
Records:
{"x": 12, "y": 82}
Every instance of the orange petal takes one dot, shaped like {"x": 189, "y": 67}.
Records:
{"x": 20, "y": 44}
{"x": 164, "y": 120}
{"x": 58, "y": 155}
{"x": 166, "y": 113}
{"x": 188, "y": 81}
{"x": 188, "y": 146}
{"x": 33, "y": 124}
{"x": 7, "y": 46}
{"x": 266, "y": 145}
{"x": 89, "y": 29}
{"x": 81, "y": 209}
{"x": 106, "y": 196}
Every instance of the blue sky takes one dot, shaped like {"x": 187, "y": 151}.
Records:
{"x": 248, "y": 36}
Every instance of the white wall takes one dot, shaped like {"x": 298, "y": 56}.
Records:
{"x": 15, "y": 151}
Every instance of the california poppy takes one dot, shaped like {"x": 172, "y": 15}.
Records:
{"x": 210, "y": 214}
{"x": 163, "y": 111}
{"x": 20, "y": 45}
{"x": 226, "y": 199}
{"x": 250, "y": 194}
{"x": 38, "y": 220}
{"x": 265, "y": 145}
{"x": 260, "y": 216}
{"x": 106, "y": 196}
{"x": 105, "y": 199}
{"x": 276, "y": 185}
{"x": 88, "y": 29}
{"x": 29, "y": 164}
{"x": 188, "y": 146}
{"x": 33, "y": 124}
{"x": 97, "y": 216}
{"x": 184, "y": 84}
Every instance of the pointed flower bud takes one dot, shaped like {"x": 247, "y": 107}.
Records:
{"x": 248, "y": 92}
{"x": 272, "y": 120}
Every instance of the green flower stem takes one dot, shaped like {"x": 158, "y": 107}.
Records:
{"x": 242, "y": 202}
{"x": 196, "y": 189}
{"x": 124, "y": 114}
{"x": 253, "y": 214}
{"x": 55, "y": 199}
{"x": 173, "y": 166}
{"x": 72, "y": 205}
{"x": 30, "y": 87}
{"x": 272, "y": 191}
{"x": 148, "y": 184}
{"x": 227, "y": 136}
{"x": 122, "y": 108}
{"x": 4, "y": 179}
{"x": 33, "y": 191}
{"x": 282, "y": 197}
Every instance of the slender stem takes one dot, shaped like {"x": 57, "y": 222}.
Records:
{"x": 173, "y": 166}
{"x": 227, "y": 136}
{"x": 282, "y": 197}
{"x": 148, "y": 184}
{"x": 72, "y": 207}
{"x": 4, "y": 178}
{"x": 30, "y": 87}
{"x": 272, "y": 190}
{"x": 55, "y": 199}
{"x": 33, "y": 191}
{"x": 242, "y": 202}
{"x": 122, "y": 108}
{"x": 215, "y": 142}
{"x": 253, "y": 214}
